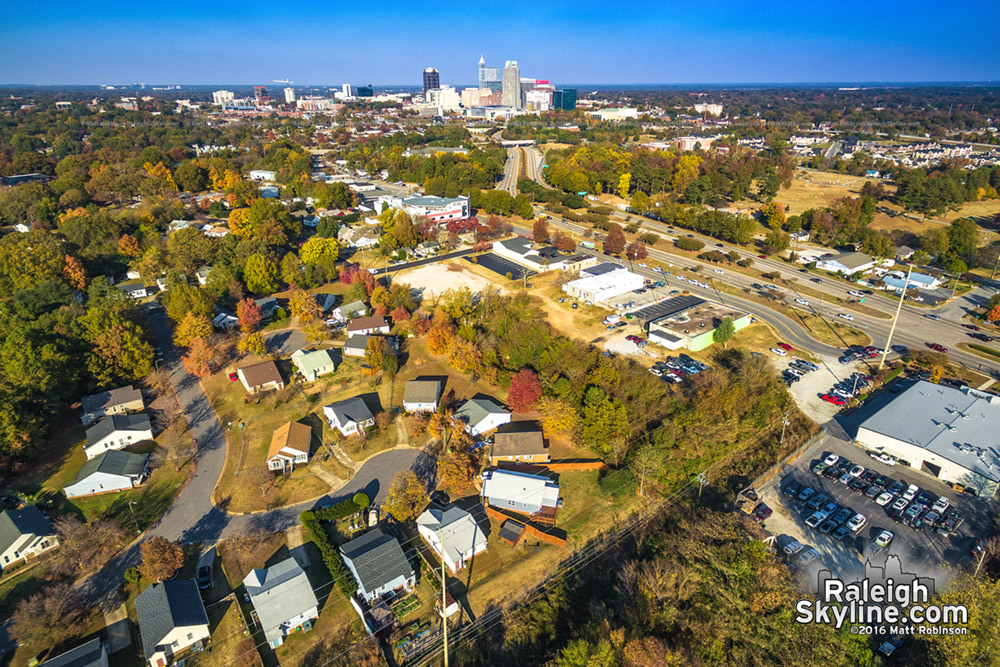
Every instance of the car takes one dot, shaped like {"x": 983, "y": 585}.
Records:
{"x": 815, "y": 280}
{"x": 932, "y": 316}
{"x": 900, "y": 504}
{"x": 809, "y": 364}
{"x": 869, "y": 476}
{"x": 831, "y": 459}
{"x": 951, "y": 523}
{"x": 803, "y": 270}
{"x": 941, "y": 505}
{"x": 856, "y": 522}
{"x": 896, "y": 488}
{"x": 857, "y": 471}
{"x": 806, "y": 493}
{"x": 778, "y": 351}
{"x": 828, "y": 526}
{"x": 889, "y": 646}
{"x": 793, "y": 548}
{"x": 937, "y": 347}
{"x": 233, "y": 377}
{"x": 841, "y": 533}
{"x": 819, "y": 468}
{"x": 816, "y": 501}
{"x": 802, "y": 302}
{"x": 575, "y": 305}
{"x": 931, "y": 519}
{"x": 771, "y": 287}
{"x": 831, "y": 473}
{"x": 562, "y": 300}
{"x": 785, "y": 346}
{"x": 971, "y": 327}
{"x": 205, "y": 577}
{"x": 794, "y": 371}
{"x": 844, "y": 395}
{"x": 913, "y": 512}
{"x": 911, "y": 492}
{"x": 610, "y": 327}
{"x": 881, "y": 481}
{"x": 657, "y": 269}
{"x": 925, "y": 498}
{"x": 830, "y": 508}
{"x": 719, "y": 271}
{"x": 843, "y": 514}
{"x": 846, "y": 316}
{"x": 883, "y": 539}
{"x": 858, "y": 485}
{"x": 846, "y": 359}
{"x": 981, "y": 336}
{"x": 761, "y": 256}
{"x": 807, "y": 556}
{"x": 856, "y": 293}
{"x": 900, "y": 349}
{"x": 756, "y": 286}
{"x": 873, "y": 491}
{"x": 158, "y": 351}
{"x": 845, "y": 479}
{"x": 884, "y": 498}
{"x": 815, "y": 519}
{"x": 762, "y": 512}
{"x": 791, "y": 489}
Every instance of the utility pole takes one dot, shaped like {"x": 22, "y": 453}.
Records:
{"x": 444, "y": 608}
{"x": 892, "y": 329}
{"x": 784, "y": 422}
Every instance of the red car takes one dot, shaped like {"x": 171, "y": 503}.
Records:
{"x": 971, "y": 327}
{"x": 785, "y": 346}
{"x": 233, "y": 377}
{"x": 836, "y": 400}
{"x": 937, "y": 348}
{"x": 762, "y": 256}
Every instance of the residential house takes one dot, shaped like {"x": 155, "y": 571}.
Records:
{"x": 368, "y": 325}
{"x": 261, "y": 175}
{"x": 225, "y": 320}
{"x": 111, "y": 471}
{"x": 904, "y": 252}
{"x": 313, "y": 363}
{"x": 92, "y": 654}
{"x": 358, "y": 237}
{"x": 24, "y": 533}
{"x": 120, "y": 401}
{"x": 326, "y": 302}
{"x": 268, "y": 306}
{"x": 421, "y": 395}
{"x": 849, "y": 263}
{"x": 514, "y": 491}
{"x": 482, "y": 414}
{"x": 378, "y": 564}
{"x": 289, "y": 445}
{"x": 117, "y": 432}
{"x": 177, "y": 225}
{"x": 452, "y": 534}
{"x": 22, "y": 228}
{"x": 171, "y": 619}
{"x": 518, "y": 446}
{"x": 349, "y": 311}
{"x": 284, "y": 600}
{"x": 261, "y": 377}
{"x": 355, "y": 346}
{"x": 349, "y": 416}
{"x": 202, "y": 275}
{"x": 427, "y": 248}
{"x": 134, "y": 288}
{"x": 215, "y": 231}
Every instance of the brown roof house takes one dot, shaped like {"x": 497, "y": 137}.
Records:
{"x": 518, "y": 446}
{"x": 261, "y": 377}
{"x": 368, "y": 325}
{"x": 289, "y": 445}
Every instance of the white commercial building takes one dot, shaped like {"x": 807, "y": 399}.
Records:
{"x": 946, "y": 432}
{"x": 262, "y": 175}
{"x": 221, "y": 97}
{"x": 445, "y": 97}
{"x": 614, "y": 114}
{"x": 437, "y": 209}
{"x": 289, "y": 95}
{"x": 849, "y": 263}
{"x": 603, "y": 282}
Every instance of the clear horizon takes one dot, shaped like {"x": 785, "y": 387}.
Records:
{"x": 732, "y": 42}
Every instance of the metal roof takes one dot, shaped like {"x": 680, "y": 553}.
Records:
{"x": 112, "y": 462}
{"x": 960, "y": 425}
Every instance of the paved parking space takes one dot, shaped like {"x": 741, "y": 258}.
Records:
{"x": 502, "y": 266}
{"x": 922, "y": 551}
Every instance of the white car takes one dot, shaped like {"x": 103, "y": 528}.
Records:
{"x": 831, "y": 460}
{"x": 856, "y": 523}
{"x": 793, "y": 548}
{"x": 940, "y": 505}
{"x": 657, "y": 269}
{"x": 802, "y": 302}
{"x": 778, "y": 351}
{"x": 845, "y": 478}
{"x": 643, "y": 264}
{"x": 692, "y": 281}
{"x": 884, "y": 498}
{"x": 911, "y": 492}
{"x": 794, "y": 371}
{"x": 846, "y": 316}
{"x": 856, "y": 471}
{"x": 884, "y": 539}
{"x": 883, "y": 458}
{"x": 899, "y": 504}
{"x": 719, "y": 271}
{"x": 843, "y": 394}
{"x": 856, "y": 293}
{"x": 807, "y": 556}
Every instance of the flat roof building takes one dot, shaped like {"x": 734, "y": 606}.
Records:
{"x": 690, "y": 322}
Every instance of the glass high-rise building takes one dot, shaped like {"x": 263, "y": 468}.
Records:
{"x": 432, "y": 80}
{"x": 365, "y": 91}
{"x": 564, "y": 99}
{"x": 511, "y": 96}
{"x": 489, "y": 77}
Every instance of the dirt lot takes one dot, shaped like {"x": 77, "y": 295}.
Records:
{"x": 438, "y": 278}
{"x": 806, "y": 391}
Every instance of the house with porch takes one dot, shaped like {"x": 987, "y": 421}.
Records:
{"x": 172, "y": 620}
{"x": 349, "y": 416}
{"x": 290, "y": 445}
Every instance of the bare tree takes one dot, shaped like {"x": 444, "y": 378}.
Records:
{"x": 49, "y": 617}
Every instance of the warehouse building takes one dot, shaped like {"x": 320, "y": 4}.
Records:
{"x": 603, "y": 282}
{"x": 945, "y": 432}
{"x": 689, "y": 322}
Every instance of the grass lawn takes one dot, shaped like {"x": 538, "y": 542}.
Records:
{"x": 58, "y": 460}
{"x": 231, "y": 642}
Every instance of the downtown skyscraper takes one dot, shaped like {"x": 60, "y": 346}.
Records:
{"x": 489, "y": 77}
{"x": 511, "y": 85}
{"x": 432, "y": 80}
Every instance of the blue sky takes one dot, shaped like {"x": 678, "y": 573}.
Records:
{"x": 387, "y": 43}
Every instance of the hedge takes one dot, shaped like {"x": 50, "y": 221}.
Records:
{"x": 340, "y": 510}
{"x": 331, "y": 555}
{"x": 985, "y": 350}
{"x": 688, "y": 244}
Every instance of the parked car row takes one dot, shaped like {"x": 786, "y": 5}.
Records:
{"x": 856, "y": 352}
{"x": 675, "y": 369}
{"x": 828, "y": 517}
{"x": 796, "y": 370}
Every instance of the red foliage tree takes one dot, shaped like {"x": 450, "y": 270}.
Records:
{"x": 525, "y": 390}
{"x": 400, "y": 314}
{"x": 349, "y": 274}
{"x": 249, "y": 315}
{"x": 637, "y": 250}
{"x": 563, "y": 241}
{"x": 614, "y": 242}
{"x": 198, "y": 360}
{"x": 540, "y": 231}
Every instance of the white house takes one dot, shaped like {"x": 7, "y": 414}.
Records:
{"x": 368, "y": 325}
{"x": 378, "y": 564}
{"x": 225, "y": 321}
{"x": 120, "y": 401}
{"x": 171, "y": 619}
{"x": 357, "y": 345}
{"x": 849, "y": 263}
{"x": 453, "y": 534}
{"x": 349, "y": 416}
{"x": 262, "y": 175}
{"x": 22, "y": 228}
{"x": 421, "y": 395}
{"x": 111, "y": 471}
{"x": 261, "y": 377}
{"x": 481, "y": 415}
{"x": 92, "y": 654}
{"x": 290, "y": 445}
{"x": 24, "y": 533}
{"x": 520, "y": 492}
{"x": 202, "y": 275}
{"x": 117, "y": 432}
{"x": 284, "y": 600}
{"x": 134, "y": 288}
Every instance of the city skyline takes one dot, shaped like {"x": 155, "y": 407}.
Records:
{"x": 730, "y": 42}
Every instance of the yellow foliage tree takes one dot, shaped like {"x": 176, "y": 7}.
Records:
{"x": 318, "y": 248}
{"x": 160, "y": 171}
{"x": 624, "y": 183}
{"x": 687, "y": 172}
{"x": 253, "y": 344}
{"x": 191, "y": 327}
{"x": 239, "y": 221}
{"x": 304, "y": 307}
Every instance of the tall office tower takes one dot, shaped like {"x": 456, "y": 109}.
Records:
{"x": 365, "y": 91}
{"x": 432, "y": 80}
{"x": 489, "y": 77}
{"x": 512, "y": 85}
{"x": 564, "y": 99}
{"x": 289, "y": 95}
{"x": 346, "y": 89}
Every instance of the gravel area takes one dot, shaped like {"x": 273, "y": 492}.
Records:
{"x": 807, "y": 391}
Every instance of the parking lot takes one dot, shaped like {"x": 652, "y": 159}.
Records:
{"x": 921, "y": 551}
{"x": 502, "y": 266}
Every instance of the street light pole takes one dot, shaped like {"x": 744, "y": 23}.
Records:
{"x": 892, "y": 329}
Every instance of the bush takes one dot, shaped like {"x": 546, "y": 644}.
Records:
{"x": 573, "y": 201}
{"x": 132, "y": 575}
{"x": 361, "y": 499}
{"x": 986, "y": 350}
{"x": 339, "y": 511}
{"x": 685, "y": 243}
{"x": 618, "y": 481}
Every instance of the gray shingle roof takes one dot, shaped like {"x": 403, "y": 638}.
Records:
{"x": 351, "y": 409}
{"x": 115, "y": 423}
{"x": 84, "y": 655}
{"x": 107, "y": 399}
{"x": 15, "y": 523}
{"x": 377, "y": 558}
{"x": 165, "y": 606}
{"x": 279, "y": 593}
{"x": 421, "y": 391}
{"x": 112, "y": 462}
{"x": 476, "y": 410}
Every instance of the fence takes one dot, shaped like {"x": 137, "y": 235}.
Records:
{"x": 549, "y": 535}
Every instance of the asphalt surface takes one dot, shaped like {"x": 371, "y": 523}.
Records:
{"x": 510, "y": 170}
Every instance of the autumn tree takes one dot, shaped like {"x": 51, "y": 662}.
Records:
{"x": 994, "y": 314}
{"x": 128, "y": 246}
{"x": 191, "y": 327}
{"x": 464, "y": 355}
{"x": 161, "y": 558}
{"x": 636, "y": 251}
{"x": 400, "y": 314}
{"x": 74, "y": 273}
{"x": 199, "y": 358}
{"x": 558, "y": 416}
{"x": 540, "y": 231}
{"x": 318, "y": 249}
{"x": 304, "y": 307}
{"x": 49, "y": 617}
{"x": 239, "y": 221}
{"x": 646, "y": 465}
{"x": 459, "y": 465}
{"x": 407, "y": 496}
{"x": 624, "y": 184}
{"x": 525, "y": 390}
{"x": 252, "y": 343}
{"x": 260, "y": 274}
{"x": 376, "y": 351}
{"x": 614, "y": 242}
{"x": 119, "y": 351}
{"x": 249, "y": 315}
{"x": 439, "y": 337}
